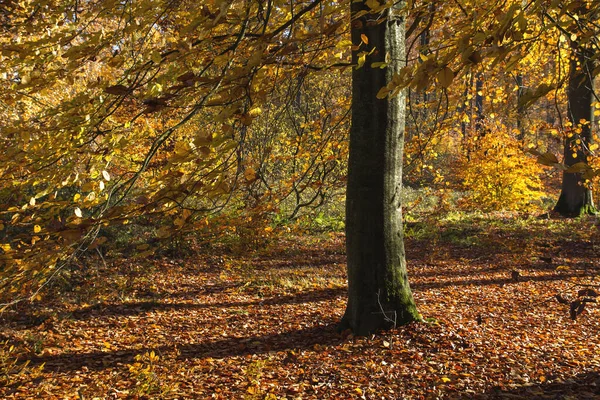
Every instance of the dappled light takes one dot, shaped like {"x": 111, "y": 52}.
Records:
{"x": 308, "y": 199}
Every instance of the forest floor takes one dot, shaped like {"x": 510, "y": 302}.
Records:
{"x": 262, "y": 325}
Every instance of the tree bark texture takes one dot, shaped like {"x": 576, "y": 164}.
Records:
{"x": 379, "y": 294}
{"x": 575, "y": 197}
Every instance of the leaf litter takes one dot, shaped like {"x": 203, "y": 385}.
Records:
{"x": 262, "y": 325}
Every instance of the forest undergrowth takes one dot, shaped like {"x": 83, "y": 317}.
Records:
{"x": 500, "y": 294}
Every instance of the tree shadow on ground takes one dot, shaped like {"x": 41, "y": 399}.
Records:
{"x": 323, "y": 335}
{"x": 582, "y": 387}
{"x": 326, "y": 260}
{"x": 26, "y": 321}
{"x": 492, "y": 281}
{"x": 427, "y": 270}
{"x": 480, "y": 239}
{"x": 134, "y": 308}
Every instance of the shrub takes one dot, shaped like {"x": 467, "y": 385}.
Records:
{"x": 498, "y": 175}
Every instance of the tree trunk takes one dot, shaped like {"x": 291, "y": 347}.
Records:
{"x": 575, "y": 197}
{"x": 479, "y": 105}
{"x": 520, "y": 93}
{"x": 520, "y": 108}
{"x": 379, "y": 295}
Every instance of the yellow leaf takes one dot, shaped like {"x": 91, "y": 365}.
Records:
{"x": 250, "y": 174}
{"x": 76, "y": 197}
{"x": 255, "y": 59}
{"x": 71, "y": 235}
{"x": 445, "y": 379}
{"x": 383, "y": 92}
{"x": 205, "y": 151}
{"x": 359, "y": 391}
{"x": 117, "y": 90}
{"x": 146, "y": 253}
{"x": 373, "y": 4}
{"x": 547, "y": 159}
{"x": 343, "y": 43}
{"x": 163, "y": 232}
{"x": 179, "y": 222}
{"x": 379, "y": 64}
{"x": 445, "y": 77}
{"x": 37, "y": 229}
{"x": 182, "y": 148}
{"x": 256, "y": 111}
{"x": 364, "y": 38}
{"x": 156, "y": 57}
{"x": 578, "y": 168}
{"x": 203, "y": 139}
{"x": 362, "y": 57}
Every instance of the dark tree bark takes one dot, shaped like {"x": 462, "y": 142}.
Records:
{"x": 424, "y": 40}
{"x": 479, "y": 105}
{"x": 462, "y": 107}
{"x": 575, "y": 197}
{"x": 379, "y": 295}
{"x": 520, "y": 108}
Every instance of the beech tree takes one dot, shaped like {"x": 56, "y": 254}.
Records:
{"x": 576, "y": 196}
{"x": 379, "y": 294}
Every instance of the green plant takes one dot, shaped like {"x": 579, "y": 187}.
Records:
{"x": 35, "y": 342}
{"x": 322, "y": 221}
{"x": 143, "y": 370}
{"x": 254, "y": 372}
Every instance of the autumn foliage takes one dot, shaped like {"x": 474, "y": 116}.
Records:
{"x": 172, "y": 186}
{"x": 499, "y": 175}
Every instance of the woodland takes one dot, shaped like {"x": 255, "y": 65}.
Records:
{"x": 299, "y": 199}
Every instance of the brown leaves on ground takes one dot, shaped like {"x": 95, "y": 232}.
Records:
{"x": 263, "y": 326}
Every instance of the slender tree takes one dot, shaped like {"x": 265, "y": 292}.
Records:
{"x": 379, "y": 294}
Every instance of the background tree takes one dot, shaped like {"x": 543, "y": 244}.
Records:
{"x": 576, "y": 196}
